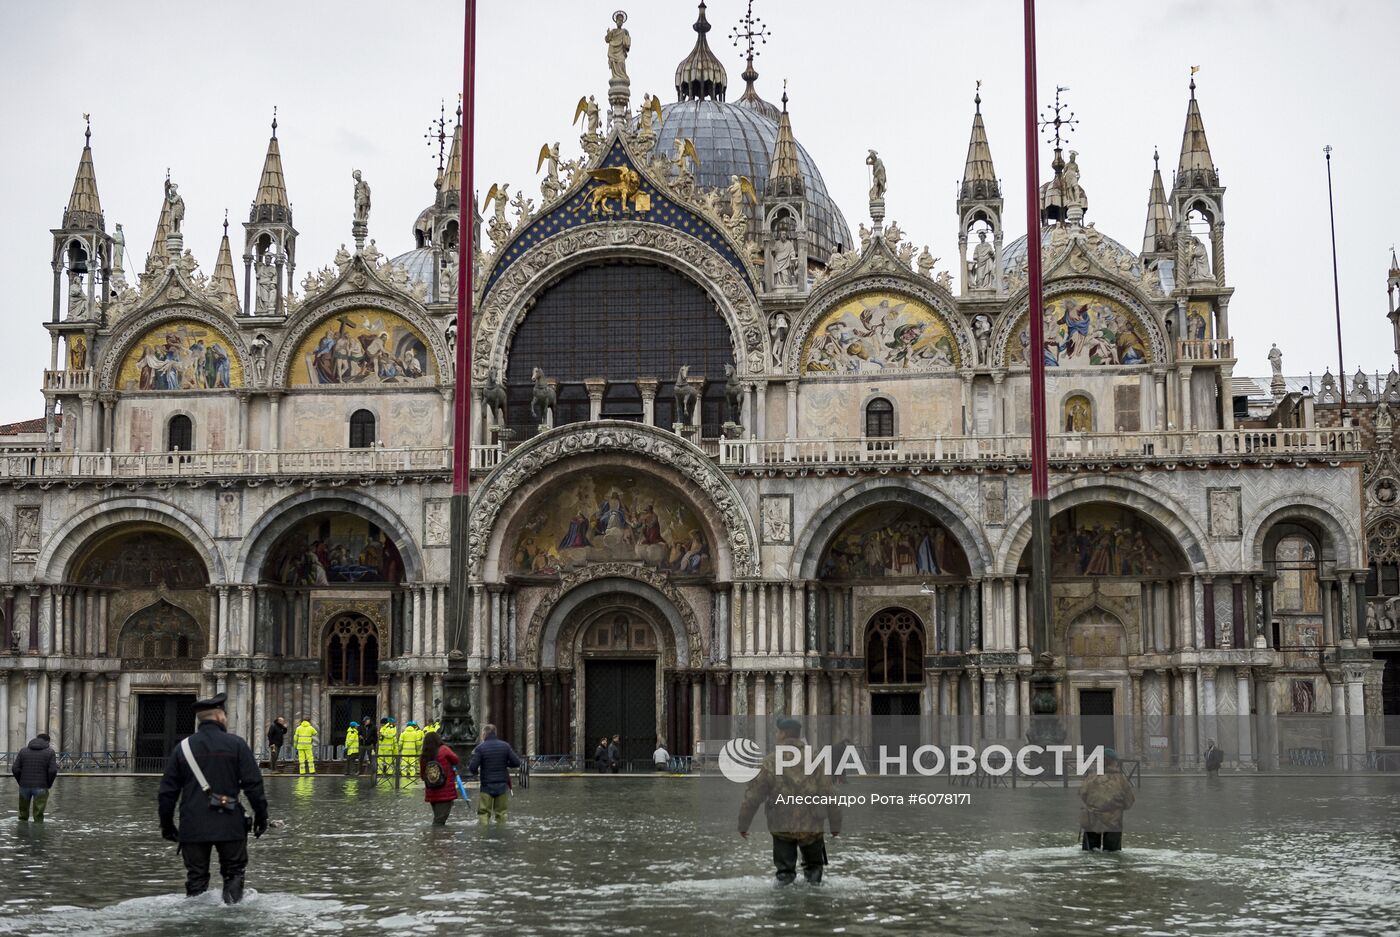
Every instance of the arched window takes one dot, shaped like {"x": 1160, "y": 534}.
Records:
{"x": 1296, "y": 565}
{"x": 361, "y": 429}
{"x": 879, "y": 418}
{"x": 1078, "y": 414}
{"x": 352, "y": 651}
{"x": 894, "y": 648}
{"x": 179, "y": 434}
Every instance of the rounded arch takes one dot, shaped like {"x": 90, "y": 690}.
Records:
{"x": 1119, "y": 491}
{"x": 162, "y": 630}
{"x": 360, "y": 297}
{"x": 629, "y": 445}
{"x": 845, "y": 505}
{"x": 287, "y": 513}
{"x": 508, "y": 300}
{"x": 1339, "y": 544}
{"x": 129, "y": 333}
{"x": 558, "y": 607}
{"x": 844, "y": 290}
{"x": 64, "y": 545}
{"x": 1009, "y": 320}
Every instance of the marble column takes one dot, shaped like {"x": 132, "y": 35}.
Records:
{"x": 595, "y": 387}
{"x": 31, "y": 706}
{"x": 647, "y": 386}
{"x": 1329, "y": 632}
{"x": 1356, "y": 718}
{"x": 5, "y": 733}
{"x": 1138, "y": 743}
{"x": 124, "y": 706}
{"x": 1188, "y": 709}
{"x": 91, "y": 719}
{"x": 274, "y": 421}
{"x": 760, "y": 698}
{"x": 1209, "y": 728}
{"x": 792, "y": 410}
{"x": 1341, "y": 746}
{"x": 1242, "y": 702}
{"x": 532, "y": 690}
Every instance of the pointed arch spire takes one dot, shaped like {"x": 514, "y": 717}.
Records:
{"x": 159, "y": 256}
{"x": 1195, "y": 168}
{"x": 1157, "y": 238}
{"x": 979, "y": 175}
{"x": 272, "y": 186}
{"x": 84, "y": 207}
{"x": 224, "y": 285}
{"x": 701, "y": 76}
{"x": 453, "y": 180}
{"x": 784, "y": 171}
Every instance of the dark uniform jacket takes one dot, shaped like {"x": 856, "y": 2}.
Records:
{"x": 276, "y": 734}
{"x": 493, "y": 758}
{"x": 36, "y": 766}
{"x": 1105, "y": 797}
{"x": 229, "y": 767}
{"x": 803, "y": 822}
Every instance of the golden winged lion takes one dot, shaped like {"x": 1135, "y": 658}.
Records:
{"x": 618, "y": 182}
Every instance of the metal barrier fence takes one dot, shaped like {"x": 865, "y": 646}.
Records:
{"x": 574, "y": 762}
{"x": 80, "y": 761}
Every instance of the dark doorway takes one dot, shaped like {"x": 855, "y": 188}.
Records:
{"x": 621, "y": 700}
{"x": 162, "y": 719}
{"x": 1390, "y": 698}
{"x": 345, "y": 708}
{"x": 894, "y": 721}
{"x": 1096, "y": 718}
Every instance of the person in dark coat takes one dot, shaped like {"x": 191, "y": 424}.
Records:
{"x": 600, "y": 754}
{"x": 213, "y": 818}
{"x": 35, "y": 769}
{"x": 276, "y": 735}
{"x": 615, "y": 754}
{"x": 493, "y": 759}
{"x": 1214, "y": 759}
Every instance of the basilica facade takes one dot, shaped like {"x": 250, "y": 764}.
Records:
{"x": 729, "y": 457}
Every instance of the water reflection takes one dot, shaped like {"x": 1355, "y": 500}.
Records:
{"x": 1263, "y": 856}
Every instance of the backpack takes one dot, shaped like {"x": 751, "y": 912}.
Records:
{"x": 434, "y": 776}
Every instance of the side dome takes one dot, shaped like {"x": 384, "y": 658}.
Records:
{"x": 419, "y": 264}
{"x": 735, "y": 140}
{"x": 1014, "y": 254}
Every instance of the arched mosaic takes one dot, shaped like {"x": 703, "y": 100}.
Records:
{"x": 878, "y": 332}
{"x": 1083, "y": 330}
{"x": 892, "y": 540}
{"x": 363, "y": 347}
{"x": 180, "y": 354}
{"x": 334, "y": 548}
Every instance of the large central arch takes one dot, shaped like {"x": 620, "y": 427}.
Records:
{"x": 285, "y": 514}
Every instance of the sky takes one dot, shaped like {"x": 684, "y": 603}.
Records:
{"x": 192, "y": 87}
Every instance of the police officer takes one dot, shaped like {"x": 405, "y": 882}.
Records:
{"x": 795, "y": 826}
{"x": 352, "y": 749}
{"x": 205, "y": 775}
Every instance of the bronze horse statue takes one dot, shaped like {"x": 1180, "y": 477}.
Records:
{"x": 542, "y": 398}
{"x": 493, "y": 397}
{"x": 733, "y": 393}
{"x": 685, "y": 396}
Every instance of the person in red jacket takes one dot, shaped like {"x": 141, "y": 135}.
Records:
{"x": 443, "y": 794}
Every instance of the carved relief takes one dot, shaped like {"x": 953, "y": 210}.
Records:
{"x": 437, "y": 522}
{"x": 27, "y": 528}
{"x": 777, "y": 519}
{"x": 1224, "y": 507}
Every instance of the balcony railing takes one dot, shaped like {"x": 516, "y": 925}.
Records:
{"x": 1205, "y": 349}
{"x": 739, "y": 453}
{"x": 1068, "y": 447}
{"x": 68, "y": 380}
{"x": 374, "y": 461}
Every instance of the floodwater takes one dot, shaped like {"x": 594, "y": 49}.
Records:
{"x": 1249, "y": 855}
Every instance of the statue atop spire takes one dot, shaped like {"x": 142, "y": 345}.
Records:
{"x": 619, "y": 42}
{"x": 1062, "y": 198}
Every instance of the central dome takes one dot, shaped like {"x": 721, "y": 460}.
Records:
{"x": 735, "y": 140}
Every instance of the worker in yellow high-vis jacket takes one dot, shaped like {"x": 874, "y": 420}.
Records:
{"x": 305, "y": 739}
{"x": 352, "y": 749}
{"x": 410, "y": 747}
{"x": 388, "y": 745}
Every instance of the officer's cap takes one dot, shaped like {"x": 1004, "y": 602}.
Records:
{"x": 412, "y": 723}
{"x": 354, "y": 724}
{"x": 789, "y": 725}
{"x": 214, "y": 702}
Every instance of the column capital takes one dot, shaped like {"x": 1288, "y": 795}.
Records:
{"x": 1208, "y": 671}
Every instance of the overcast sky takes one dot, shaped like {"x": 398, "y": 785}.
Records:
{"x": 192, "y": 87}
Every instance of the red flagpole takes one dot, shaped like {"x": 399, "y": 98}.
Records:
{"x": 1040, "y": 482}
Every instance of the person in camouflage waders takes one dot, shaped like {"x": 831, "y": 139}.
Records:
{"x": 795, "y": 827}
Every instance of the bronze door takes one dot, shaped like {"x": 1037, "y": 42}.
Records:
{"x": 621, "y": 700}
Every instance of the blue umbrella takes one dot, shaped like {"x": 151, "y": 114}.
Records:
{"x": 461, "y": 787}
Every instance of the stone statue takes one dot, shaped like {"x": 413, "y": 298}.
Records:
{"x": 739, "y": 186}
{"x": 77, "y": 353}
{"x": 1198, "y": 262}
{"x": 449, "y": 335}
{"x": 619, "y": 44}
{"x": 361, "y": 198}
{"x": 982, "y": 332}
{"x": 864, "y": 237}
{"x": 733, "y": 394}
{"x": 983, "y": 264}
{"x": 786, "y": 274}
{"x": 77, "y": 299}
{"x": 1072, "y": 188}
{"x": 118, "y": 248}
{"x": 451, "y": 270}
{"x": 267, "y": 287}
{"x": 372, "y": 255}
{"x": 945, "y": 280}
{"x": 684, "y": 181}
{"x": 499, "y": 196}
{"x": 591, "y": 115}
{"x": 778, "y": 331}
{"x": 1276, "y": 361}
{"x": 259, "y": 346}
{"x": 685, "y": 396}
{"x": 542, "y": 399}
{"x": 550, "y": 185}
{"x": 1383, "y": 421}
{"x": 177, "y": 206}
{"x": 493, "y": 397}
{"x": 926, "y": 262}
{"x": 342, "y": 258}
{"x": 877, "y": 175}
